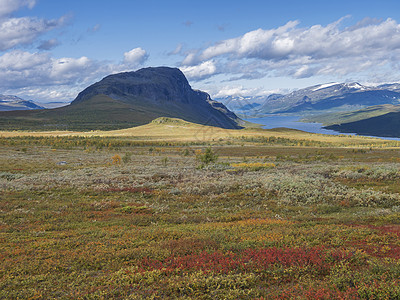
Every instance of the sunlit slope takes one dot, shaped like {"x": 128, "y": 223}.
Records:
{"x": 387, "y": 125}
{"x": 176, "y": 130}
{"x": 353, "y": 116}
{"x": 99, "y": 112}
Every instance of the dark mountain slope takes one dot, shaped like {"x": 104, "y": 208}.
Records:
{"x": 387, "y": 125}
{"x": 129, "y": 99}
{"x": 161, "y": 92}
{"x": 352, "y": 116}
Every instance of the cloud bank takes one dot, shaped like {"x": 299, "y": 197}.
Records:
{"x": 301, "y": 52}
{"x": 9, "y": 6}
{"x": 41, "y": 71}
{"x": 16, "y": 32}
{"x": 39, "y": 75}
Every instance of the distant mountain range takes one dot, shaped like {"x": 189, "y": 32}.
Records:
{"x": 53, "y": 104}
{"x": 318, "y": 99}
{"x": 332, "y": 97}
{"x": 135, "y": 98}
{"x": 9, "y": 103}
{"x": 126, "y": 100}
{"x": 241, "y": 104}
{"x": 344, "y": 107}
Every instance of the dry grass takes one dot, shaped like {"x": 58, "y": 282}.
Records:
{"x": 155, "y": 226}
{"x": 175, "y": 130}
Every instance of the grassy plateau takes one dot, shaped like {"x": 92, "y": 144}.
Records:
{"x": 174, "y": 210}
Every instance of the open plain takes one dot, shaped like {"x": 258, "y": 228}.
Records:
{"x": 210, "y": 214}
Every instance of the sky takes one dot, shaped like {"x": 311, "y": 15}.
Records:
{"x": 50, "y": 50}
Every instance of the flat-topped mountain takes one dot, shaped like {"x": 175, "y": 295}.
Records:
{"x": 160, "y": 92}
{"x": 130, "y": 99}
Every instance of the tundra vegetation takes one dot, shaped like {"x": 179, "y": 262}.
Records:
{"x": 253, "y": 217}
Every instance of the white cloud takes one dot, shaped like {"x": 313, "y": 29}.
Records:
{"x": 54, "y": 93}
{"x": 67, "y": 68}
{"x": 226, "y": 91}
{"x": 20, "y": 69}
{"x": 16, "y": 32}
{"x": 298, "y": 52}
{"x": 37, "y": 74}
{"x": 257, "y": 43}
{"x": 177, "y": 50}
{"x": 9, "y": 6}
{"x": 17, "y": 60}
{"x": 24, "y": 31}
{"x": 198, "y": 72}
{"x": 135, "y": 57}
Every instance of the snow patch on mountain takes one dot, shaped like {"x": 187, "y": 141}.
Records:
{"x": 323, "y": 86}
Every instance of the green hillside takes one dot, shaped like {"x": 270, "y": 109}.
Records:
{"x": 352, "y": 116}
{"x": 98, "y": 113}
{"x": 387, "y": 125}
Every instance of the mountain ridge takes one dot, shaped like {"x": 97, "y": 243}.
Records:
{"x": 11, "y": 103}
{"x": 130, "y": 99}
{"x": 331, "y": 96}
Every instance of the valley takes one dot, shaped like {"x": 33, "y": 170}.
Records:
{"x": 145, "y": 188}
{"x": 199, "y": 150}
{"x": 179, "y": 210}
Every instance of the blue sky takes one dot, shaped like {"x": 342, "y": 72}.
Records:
{"x": 50, "y": 50}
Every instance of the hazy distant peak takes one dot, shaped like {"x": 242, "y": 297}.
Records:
{"x": 11, "y": 102}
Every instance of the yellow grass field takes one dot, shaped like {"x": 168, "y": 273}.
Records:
{"x": 176, "y": 130}
{"x": 174, "y": 210}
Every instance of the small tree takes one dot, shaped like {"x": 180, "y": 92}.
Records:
{"x": 186, "y": 152}
{"x": 209, "y": 156}
{"x": 127, "y": 157}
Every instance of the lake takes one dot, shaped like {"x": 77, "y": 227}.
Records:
{"x": 275, "y": 121}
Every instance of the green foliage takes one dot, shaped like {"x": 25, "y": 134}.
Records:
{"x": 10, "y": 176}
{"x": 80, "y": 142}
{"x": 304, "y": 228}
{"x": 186, "y": 152}
{"x": 127, "y": 157}
{"x": 133, "y": 209}
{"x": 209, "y": 156}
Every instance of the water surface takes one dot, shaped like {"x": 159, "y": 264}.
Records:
{"x": 275, "y": 121}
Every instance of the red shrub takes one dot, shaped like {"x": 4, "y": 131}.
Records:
{"x": 251, "y": 260}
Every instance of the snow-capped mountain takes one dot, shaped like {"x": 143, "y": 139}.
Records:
{"x": 332, "y": 96}
{"x": 243, "y": 104}
{"x": 390, "y": 86}
{"x": 9, "y": 102}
